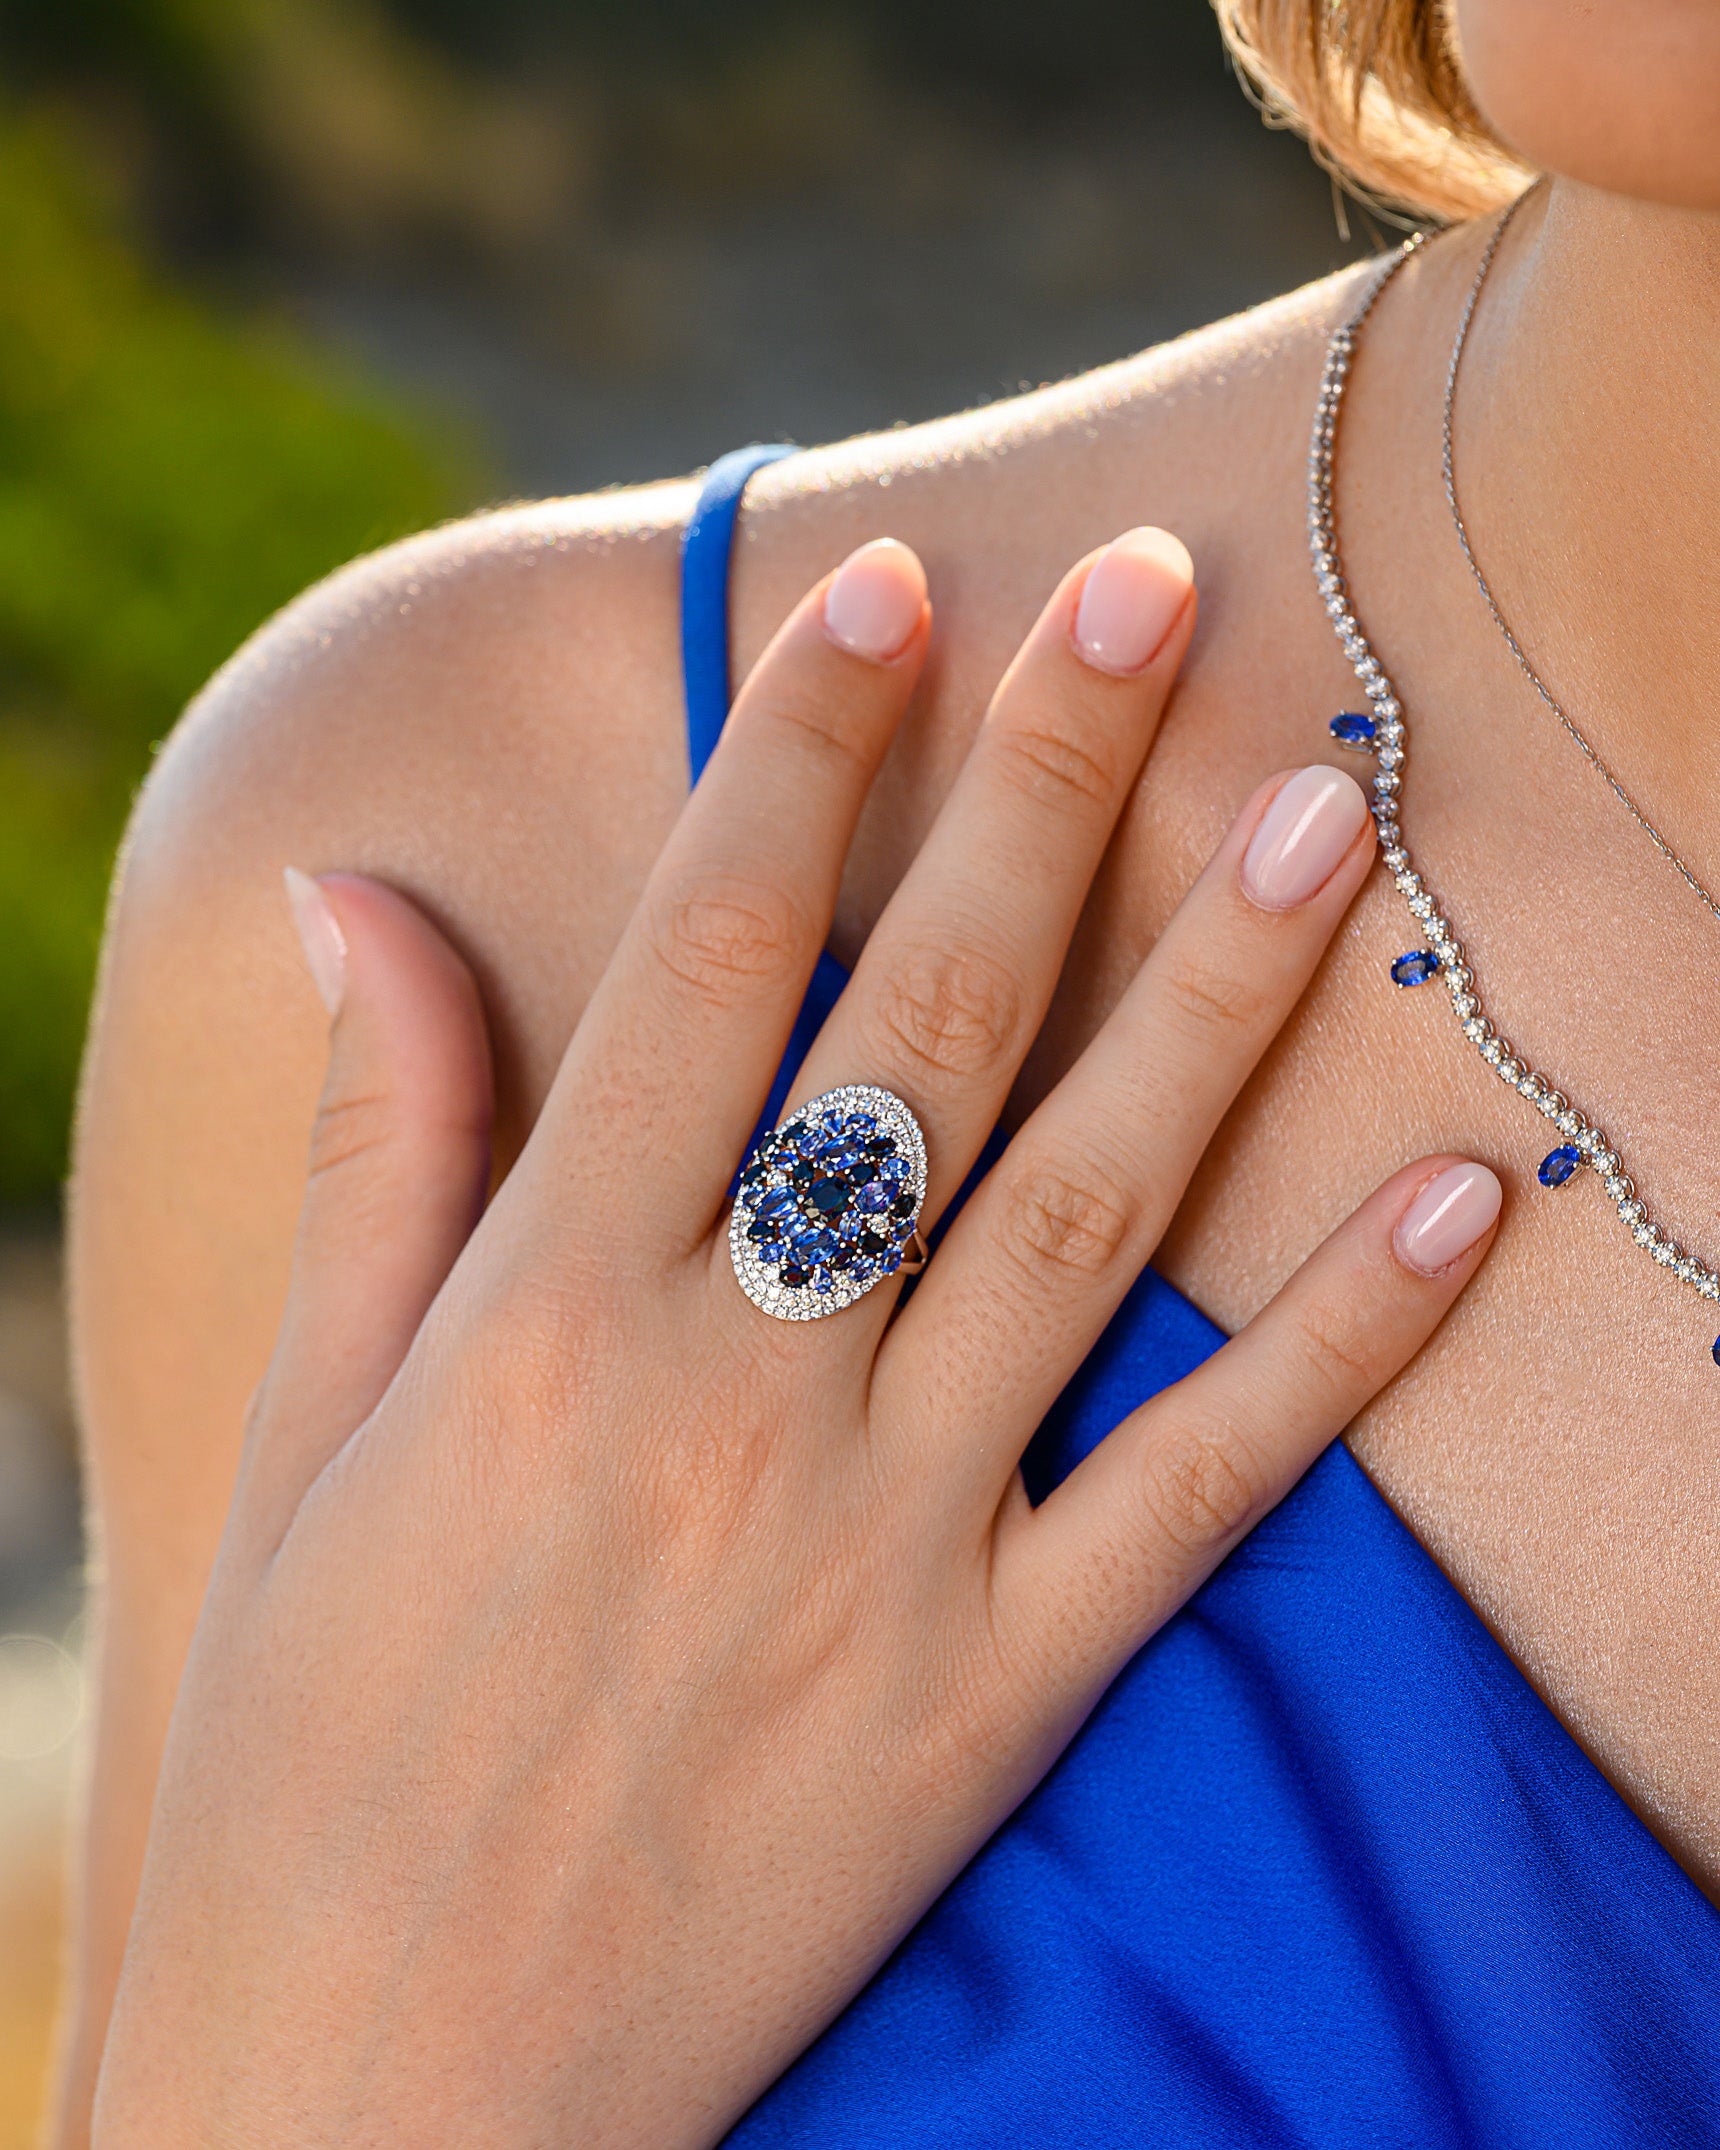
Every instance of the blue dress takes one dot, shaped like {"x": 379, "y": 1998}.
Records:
{"x": 1321, "y": 1870}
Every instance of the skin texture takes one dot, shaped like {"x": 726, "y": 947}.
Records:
{"x": 596, "y": 1679}
{"x": 1625, "y": 98}
{"x": 489, "y": 720}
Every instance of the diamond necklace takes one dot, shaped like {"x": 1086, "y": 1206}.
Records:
{"x": 1380, "y": 731}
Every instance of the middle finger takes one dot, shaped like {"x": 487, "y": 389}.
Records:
{"x": 958, "y": 973}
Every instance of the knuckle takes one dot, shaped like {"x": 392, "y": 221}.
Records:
{"x": 1067, "y": 1216}
{"x": 966, "y": 1727}
{"x": 1206, "y": 996}
{"x": 699, "y": 1494}
{"x": 1203, "y": 1486}
{"x": 973, "y": 1739}
{"x": 357, "y": 1128}
{"x": 1054, "y": 767}
{"x": 823, "y": 725}
{"x": 1330, "y": 1350}
{"x": 944, "y": 1011}
{"x": 722, "y": 932}
{"x": 530, "y": 1350}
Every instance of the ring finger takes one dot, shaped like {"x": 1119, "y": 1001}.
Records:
{"x": 1042, "y": 1255}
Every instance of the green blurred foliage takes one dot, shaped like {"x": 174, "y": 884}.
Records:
{"x": 170, "y": 473}
{"x": 168, "y": 477}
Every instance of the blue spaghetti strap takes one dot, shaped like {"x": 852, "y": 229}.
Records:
{"x": 705, "y": 549}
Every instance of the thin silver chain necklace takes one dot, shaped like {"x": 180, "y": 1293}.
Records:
{"x": 1448, "y": 461}
{"x": 1379, "y": 730}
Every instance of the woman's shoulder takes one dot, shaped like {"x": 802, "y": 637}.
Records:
{"x": 1206, "y": 436}
{"x": 470, "y": 643}
{"x": 491, "y": 713}
{"x": 1203, "y": 434}
{"x": 482, "y": 633}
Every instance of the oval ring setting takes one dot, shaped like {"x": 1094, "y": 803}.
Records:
{"x": 829, "y": 1204}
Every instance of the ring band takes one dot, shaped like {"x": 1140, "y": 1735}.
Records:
{"x": 829, "y": 1204}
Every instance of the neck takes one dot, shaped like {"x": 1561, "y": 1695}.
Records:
{"x": 1588, "y": 451}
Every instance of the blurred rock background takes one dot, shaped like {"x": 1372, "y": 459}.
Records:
{"x": 282, "y": 279}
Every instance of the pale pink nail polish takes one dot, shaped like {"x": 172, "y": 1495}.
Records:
{"x": 875, "y": 600}
{"x": 1447, "y": 1217}
{"x": 1131, "y": 599}
{"x": 320, "y": 937}
{"x": 1303, "y": 838}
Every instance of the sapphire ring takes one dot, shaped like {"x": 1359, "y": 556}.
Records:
{"x": 829, "y": 1204}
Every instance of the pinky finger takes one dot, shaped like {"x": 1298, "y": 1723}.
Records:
{"x": 1137, "y": 1527}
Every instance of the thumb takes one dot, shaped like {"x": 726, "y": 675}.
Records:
{"x": 399, "y": 1163}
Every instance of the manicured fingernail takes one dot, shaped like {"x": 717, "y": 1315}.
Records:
{"x": 320, "y": 937}
{"x": 1131, "y": 600}
{"x": 875, "y": 600}
{"x": 1303, "y": 838}
{"x": 1447, "y": 1217}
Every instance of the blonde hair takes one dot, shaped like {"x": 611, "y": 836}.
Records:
{"x": 1377, "y": 88}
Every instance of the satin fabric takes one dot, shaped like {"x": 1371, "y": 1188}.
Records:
{"x": 1321, "y": 1870}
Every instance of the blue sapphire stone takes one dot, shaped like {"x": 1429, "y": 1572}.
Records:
{"x": 838, "y": 1156}
{"x": 861, "y": 1123}
{"x": 1415, "y": 968}
{"x": 778, "y": 1203}
{"x": 816, "y": 1245}
{"x": 890, "y": 1261}
{"x": 822, "y": 1280}
{"x": 829, "y": 1196}
{"x": 893, "y": 1169}
{"x": 773, "y": 1252}
{"x": 1558, "y": 1165}
{"x": 873, "y": 1198}
{"x": 1717, "y": 1351}
{"x": 1353, "y": 729}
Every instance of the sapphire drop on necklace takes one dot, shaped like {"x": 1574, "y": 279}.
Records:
{"x": 1415, "y": 968}
{"x": 1558, "y": 1165}
{"x": 1352, "y": 729}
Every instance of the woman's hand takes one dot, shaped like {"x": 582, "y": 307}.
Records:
{"x": 599, "y": 1676}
